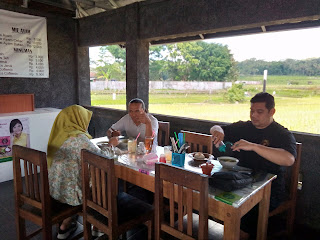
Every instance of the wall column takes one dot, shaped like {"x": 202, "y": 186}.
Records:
{"x": 137, "y": 58}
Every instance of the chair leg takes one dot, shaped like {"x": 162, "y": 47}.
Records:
{"x": 290, "y": 220}
{"x": 150, "y": 229}
{"x": 87, "y": 234}
{"x": 47, "y": 231}
{"x": 21, "y": 228}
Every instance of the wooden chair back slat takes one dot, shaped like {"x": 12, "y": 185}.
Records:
{"x": 104, "y": 191}
{"x": 31, "y": 183}
{"x": 98, "y": 181}
{"x": 26, "y": 174}
{"x": 171, "y": 203}
{"x": 189, "y": 211}
{"x": 163, "y": 133}
{"x": 93, "y": 182}
{"x": 198, "y": 142}
{"x": 36, "y": 184}
{"x": 181, "y": 184}
{"x": 180, "y": 208}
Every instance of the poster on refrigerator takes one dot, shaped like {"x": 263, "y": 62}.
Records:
{"x": 13, "y": 132}
{"x": 23, "y": 45}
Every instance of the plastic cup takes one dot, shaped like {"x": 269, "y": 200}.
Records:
{"x": 168, "y": 153}
{"x": 162, "y": 158}
{"x": 132, "y": 145}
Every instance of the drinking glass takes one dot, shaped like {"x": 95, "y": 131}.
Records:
{"x": 148, "y": 141}
{"x": 132, "y": 145}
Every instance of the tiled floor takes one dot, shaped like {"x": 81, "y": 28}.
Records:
{"x": 8, "y": 229}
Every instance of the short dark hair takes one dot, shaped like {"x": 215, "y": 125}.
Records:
{"x": 13, "y": 123}
{"x": 138, "y": 100}
{"x": 264, "y": 97}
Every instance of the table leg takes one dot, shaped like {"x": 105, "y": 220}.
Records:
{"x": 264, "y": 214}
{"x": 232, "y": 225}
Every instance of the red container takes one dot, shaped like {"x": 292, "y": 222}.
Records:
{"x": 162, "y": 158}
{"x": 207, "y": 168}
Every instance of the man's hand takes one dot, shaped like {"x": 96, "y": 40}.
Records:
{"x": 113, "y": 133}
{"x": 243, "y": 145}
{"x": 114, "y": 141}
{"x": 217, "y": 134}
{"x": 144, "y": 118}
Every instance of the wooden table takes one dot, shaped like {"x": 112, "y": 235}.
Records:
{"x": 131, "y": 168}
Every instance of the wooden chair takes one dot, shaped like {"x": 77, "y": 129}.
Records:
{"x": 163, "y": 133}
{"x": 113, "y": 214}
{"x": 181, "y": 184}
{"x": 32, "y": 197}
{"x": 290, "y": 204}
{"x": 198, "y": 142}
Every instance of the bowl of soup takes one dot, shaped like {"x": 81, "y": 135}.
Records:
{"x": 228, "y": 162}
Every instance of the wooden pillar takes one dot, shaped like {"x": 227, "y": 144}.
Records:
{"x": 137, "y": 58}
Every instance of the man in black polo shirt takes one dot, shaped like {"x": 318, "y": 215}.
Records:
{"x": 260, "y": 144}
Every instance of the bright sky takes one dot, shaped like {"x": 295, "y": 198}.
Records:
{"x": 274, "y": 46}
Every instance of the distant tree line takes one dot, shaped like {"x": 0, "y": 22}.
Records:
{"x": 189, "y": 61}
{"x": 308, "y": 67}
{"x": 198, "y": 61}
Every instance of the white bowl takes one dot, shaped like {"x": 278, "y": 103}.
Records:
{"x": 228, "y": 162}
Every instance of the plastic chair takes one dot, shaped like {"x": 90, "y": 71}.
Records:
{"x": 180, "y": 184}
{"x": 198, "y": 142}
{"x": 32, "y": 198}
{"x": 163, "y": 133}
{"x": 111, "y": 213}
{"x": 290, "y": 204}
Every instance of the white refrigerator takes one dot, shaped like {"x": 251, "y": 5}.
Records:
{"x": 36, "y": 124}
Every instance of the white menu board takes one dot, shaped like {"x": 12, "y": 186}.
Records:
{"x": 23, "y": 45}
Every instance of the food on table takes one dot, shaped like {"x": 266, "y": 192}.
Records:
{"x": 199, "y": 155}
{"x": 227, "y": 161}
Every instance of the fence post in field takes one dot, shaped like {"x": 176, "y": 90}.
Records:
{"x": 265, "y": 73}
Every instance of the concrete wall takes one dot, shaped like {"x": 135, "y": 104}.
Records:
{"x": 308, "y": 204}
{"x": 178, "y": 85}
{"x": 62, "y": 88}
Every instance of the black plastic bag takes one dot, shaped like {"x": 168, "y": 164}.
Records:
{"x": 229, "y": 181}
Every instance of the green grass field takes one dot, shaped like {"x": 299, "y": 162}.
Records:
{"x": 297, "y": 106}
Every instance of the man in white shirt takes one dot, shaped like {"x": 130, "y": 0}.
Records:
{"x": 138, "y": 120}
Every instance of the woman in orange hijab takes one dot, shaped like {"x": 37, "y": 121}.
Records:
{"x": 68, "y": 136}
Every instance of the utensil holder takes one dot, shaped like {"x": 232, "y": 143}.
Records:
{"x": 178, "y": 159}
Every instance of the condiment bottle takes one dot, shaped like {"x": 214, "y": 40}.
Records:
{"x": 168, "y": 153}
{"x": 162, "y": 158}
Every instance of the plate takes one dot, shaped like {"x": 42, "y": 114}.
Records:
{"x": 207, "y": 156}
{"x": 228, "y": 162}
{"x": 123, "y": 144}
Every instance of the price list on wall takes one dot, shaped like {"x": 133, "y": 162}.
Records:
{"x": 23, "y": 45}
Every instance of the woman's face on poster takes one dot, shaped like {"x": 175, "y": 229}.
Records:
{"x": 17, "y": 129}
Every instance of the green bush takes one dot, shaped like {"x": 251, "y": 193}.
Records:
{"x": 235, "y": 93}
